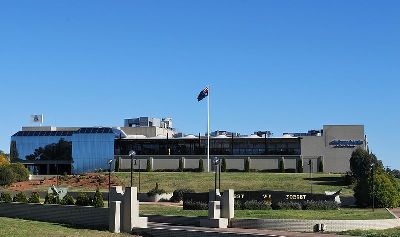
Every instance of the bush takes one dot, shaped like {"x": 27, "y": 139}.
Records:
{"x": 193, "y": 205}
{"x": 155, "y": 191}
{"x": 5, "y": 197}
{"x": 238, "y": 205}
{"x": 386, "y": 191}
{"x": 20, "y": 197}
{"x": 247, "y": 165}
{"x": 148, "y": 166}
{"x": 98, "y": 199}
{"x": 180, "y": 169}
{"x": 34, "y": 198}
{"x": 201, "y": 165}
{"x": 223, "y": 165}
{"x": 51, "y": 199}
{"x": 282, "y": 165}
{"x": 299, "y": 166}
{"x": 7, "y": 176}
{"x": 320, "y": 205}
{"x": 83, "y": 200}
{"x": 67, "y": 200}
{"x": 21, "y": 173}
{"x": 288, "y": 206}
{"x": 178, "y": 194}
{"x": 256, "y": 205}
{"x": 348, "y": 179}
{"x": 320, "y": 165}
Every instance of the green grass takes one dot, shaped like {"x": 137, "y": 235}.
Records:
{"x": 202, "y": 182}
{"x": 23, "y": 228}
{"x": 395, "y": 232}
{"x": 342, "y": 214}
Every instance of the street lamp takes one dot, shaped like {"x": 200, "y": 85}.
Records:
{"x": 216, "y": 163}
{"x": 311, "y": 168}
{"x": 132, "y": 153}
{"x": 137, "y": 160}
{"x": 109, "y": 181}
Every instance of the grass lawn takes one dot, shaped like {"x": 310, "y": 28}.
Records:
{"x": 23, "y": 228}
{"x": 342, "y": 214}
{"x": 202, "y": 182}
{"x": 395, "y": 232}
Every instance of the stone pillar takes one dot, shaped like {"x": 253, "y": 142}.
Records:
{"x": 228, "y": 204}
{"x": 114, "y": 223}
{"x": 183, "y": 163}
{"x": 214, "y": 210}
{"x": 151, "y": 163}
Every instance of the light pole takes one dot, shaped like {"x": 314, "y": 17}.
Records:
{"x": 137, "y": 159}
{"x": 132, "y": 153}
{"x": 311, "y": 168}
{"x": 216, "y": 163}
{"x": 109, "y": 181}
{"x": 373, "y": 188}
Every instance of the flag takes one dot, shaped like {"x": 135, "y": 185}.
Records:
{"x": 37, "y": 118}
{"x": 203, "y": 94}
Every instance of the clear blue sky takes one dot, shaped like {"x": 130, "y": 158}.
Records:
{"x": 284, "y": 66}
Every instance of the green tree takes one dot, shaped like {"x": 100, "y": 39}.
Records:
{"x": 13, "y": 151}
{"x": 361, "y": 162}
{"x": 247, "y": 165}
{"x": 223, "y": 165}
{"x": 386, "y": 190}
{"x": 282, "y": 165}
{"x": 180, "y": 165}
{"x": 3, "y": 159}
{"x": 320, "y": 165}
{"x": 34, "y": 198}
{"x": 201, "y": 165}
{"x": 98, "y": 199}
{"x": 299, "y": 166}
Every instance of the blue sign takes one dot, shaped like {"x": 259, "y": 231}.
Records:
{"x": 346, "y": 143}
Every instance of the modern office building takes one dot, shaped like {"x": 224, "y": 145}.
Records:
{"x": 156, "y": 142}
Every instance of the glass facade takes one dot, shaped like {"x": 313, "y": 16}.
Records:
{"x": 218, "y": 146}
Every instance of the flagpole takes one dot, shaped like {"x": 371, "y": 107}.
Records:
{"x": 208, "y": 130}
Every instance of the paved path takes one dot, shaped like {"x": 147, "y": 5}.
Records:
{"x": 396, "y": 212}
{"x": 165, "y": 229}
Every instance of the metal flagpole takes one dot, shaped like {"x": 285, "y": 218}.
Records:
{"x": 208, "y": 129}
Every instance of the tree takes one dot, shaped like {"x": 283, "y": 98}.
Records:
{"x": 282, "y": 165}
{"x": 13, "y": 151}
{"x": 247, "y": 165}
{"x": 320, "y": 165}
{"x": 3, "y": 159}
{"x": 223, "y": 165}
{"x": 98, "y": 199}
{"x": 201, "y": 165}
{"x": 300, "y": 166}
{"x": 180, "y": 165}
{"x": 361, "y": 161}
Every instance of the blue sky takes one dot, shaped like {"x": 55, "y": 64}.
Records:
{"x": 284, "y": 66}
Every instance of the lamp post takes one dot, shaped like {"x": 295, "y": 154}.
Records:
{"x": 137, "y": 159}
{"x": 311, "y": 168}
{"x": 132, "y": 153}
{"x": 216, "y": 163}
{"x": 109, "y": 182}
{"x": 373, "y": 188}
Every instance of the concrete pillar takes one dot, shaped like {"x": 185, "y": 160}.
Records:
{"x": 48, "y": 169}
{"x": 114, "y": 223}
{"x": 214, "y": 210}
{"x": 183, "y": 163}
{"x": 228, "y": 204}
{"x": 151, "y": 163}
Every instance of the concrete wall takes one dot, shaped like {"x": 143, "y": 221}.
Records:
{"x": 90, "y": 217}
{"x": 192, "y": 162}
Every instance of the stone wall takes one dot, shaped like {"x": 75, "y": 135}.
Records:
{"x": 90, "y": 217}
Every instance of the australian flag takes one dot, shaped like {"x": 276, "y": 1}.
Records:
{"x": 203, "y": 94}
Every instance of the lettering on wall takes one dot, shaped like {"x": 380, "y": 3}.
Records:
{"x": 346, "y": 143}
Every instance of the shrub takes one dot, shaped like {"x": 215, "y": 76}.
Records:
{"x": 256, "y": 205}
{"x": 34, "y": 198}
{"x": 320, "y": 205}
{"x": 320, "y": 165}
{"x": 148, "y": 165}
{"x": 67, "y": 200}
{"x": 5, "y": 197}
{"x": 194, "y": 205}
{"x": 386, "y": 190}
{"x": 20, "y": 197}
{"x": 155, "y": 191}
{"x": 51, "y": 199}
{"x": 7, "y": 176}
{"x": 223, "y": 165}
{"x": 178, "y": 194}
{"x": 201, "y": 165}
{"x": 282, "y": 165}
{"x": 238, "y": 205}
{"x": 247, "y": 165}
{"x": 180, "y": 169}
{"x": 299, "y": 166}
{"x": 116, "y": 168}
{"x": 288, "y": 206}
{"x": 98, "y": 199}
{"x": 83, "y": 200}
{"x": 348, "y": 179}
{"x": 21, "y": 173}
